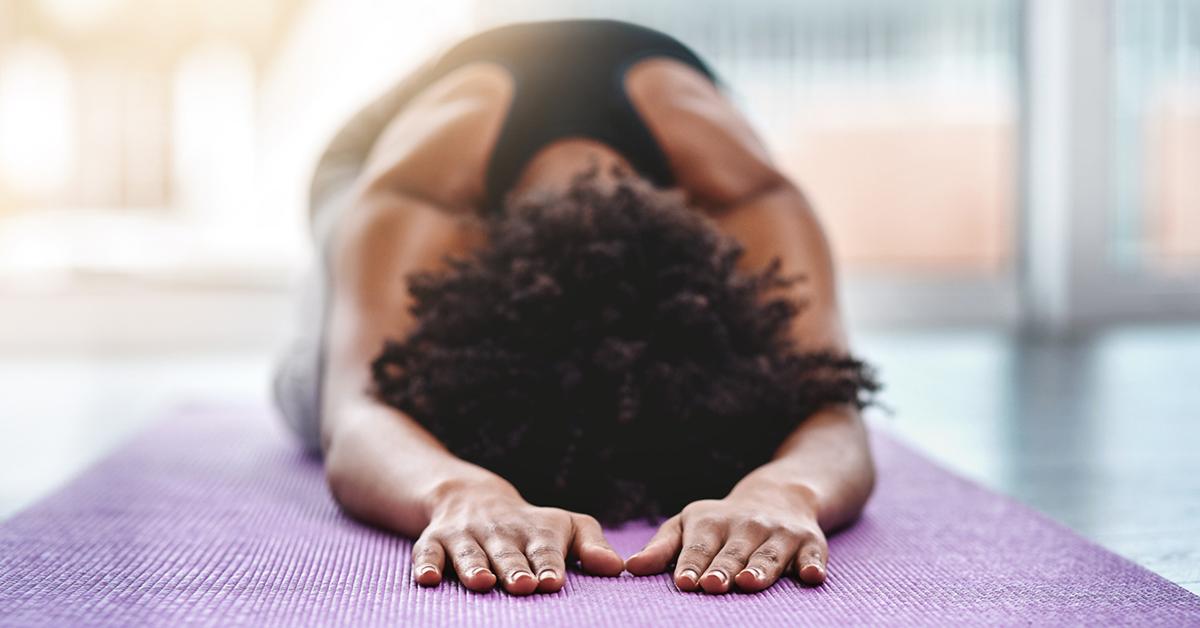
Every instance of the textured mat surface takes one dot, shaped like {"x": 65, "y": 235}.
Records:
{"x": 213, "y": 517}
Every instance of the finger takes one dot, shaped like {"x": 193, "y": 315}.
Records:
{"x": 509, "y": 562}
{"x": 592, "y": 549}
{"x": 546, "y": 554}
{"x": 659, "y": 550}
{"x": 767, "y": 562}
{"x": 428, "y": 559}
{"x": 471, "y": 564}
{"x": 811, "y": 560}
{"x": 702, "y": 539}
{"x": 732, "y": 558}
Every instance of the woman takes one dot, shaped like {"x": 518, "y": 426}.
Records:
{"x": 563, "y": 280}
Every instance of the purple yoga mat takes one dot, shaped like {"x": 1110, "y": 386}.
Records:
{"x": 214, "y": 517}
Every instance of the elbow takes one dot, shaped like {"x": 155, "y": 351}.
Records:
{"x": 867, "y": 485}
{"x": 336, "y": 477}
{"x": 863, "y": 485}
{"x": 346, "y": 462}
{"x": 850, "y": 508}
{"x": 860, "y": 480}
{"x": 340, "y": 478}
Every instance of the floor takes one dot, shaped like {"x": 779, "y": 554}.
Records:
{"x": 1099, "y": 433}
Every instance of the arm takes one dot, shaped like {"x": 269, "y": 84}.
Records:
{"x": 822, "y": 474}
{"x": 386, "y": 469}
{"x": 380, "y": 239}
{"x": 383, "y": 467}
{"x": 826, "y": 458}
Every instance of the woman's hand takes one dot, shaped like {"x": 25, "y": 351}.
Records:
{"x": 488, "y": 533}
{"x": 750, "y": 539}
{"x": 466, "y": 517}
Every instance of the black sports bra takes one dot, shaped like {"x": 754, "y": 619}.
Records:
{"x": 569, "y": 80}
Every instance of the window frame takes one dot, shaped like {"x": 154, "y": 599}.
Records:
{"x": 1069, "y": 279}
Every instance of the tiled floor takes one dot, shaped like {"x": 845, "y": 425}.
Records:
{"x": 1100, "y": 433}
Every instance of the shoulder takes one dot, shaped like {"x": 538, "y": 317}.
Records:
{"x": 716, "y": 156}
{"x": 455, "y": 120}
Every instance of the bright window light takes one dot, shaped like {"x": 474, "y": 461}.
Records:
{"x": 213, "y": 132}
{"x": 79, "y": 14}
{"x": 37, "y": 120}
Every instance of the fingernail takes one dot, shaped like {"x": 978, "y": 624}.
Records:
{"x": 719, "y": 575}
{"x": 521, "y": 574}
{"x": 754, "y": 573}
{"x": 426, "y": 569}
{"x": 689, "y": 575}
{"x": 479, "y": 570}
{"x": 813, "y": 569}
{"x": 547, "y": 574}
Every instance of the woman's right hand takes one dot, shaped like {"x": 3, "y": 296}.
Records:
{"x": 467, "y": 518}
{"x": 488, "y": 534}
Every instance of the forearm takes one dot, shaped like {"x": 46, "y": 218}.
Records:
{"x": 383, "y": 466}
{"x": 385, "y": 469}
{"x": 825, "y": 463}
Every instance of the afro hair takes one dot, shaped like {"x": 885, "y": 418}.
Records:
{"x": 603, "y": 354}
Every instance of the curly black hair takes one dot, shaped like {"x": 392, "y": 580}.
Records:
{"x": 604, "y": 355}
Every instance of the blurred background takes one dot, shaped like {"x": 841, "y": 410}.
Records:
{"x": 1012, "y": 189}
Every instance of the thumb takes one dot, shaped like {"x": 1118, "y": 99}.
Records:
{"x": 659, "y": 551}
{"x": 592, "y": 549}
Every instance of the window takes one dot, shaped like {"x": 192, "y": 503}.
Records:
{"x": 213, "y": 148}
{"x": 1156, "y": 119}
{"x": 129, "y": 142}
{"x": 37, "y": 124}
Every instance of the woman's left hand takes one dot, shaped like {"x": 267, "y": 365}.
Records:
{"x": 750, "y": 538}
